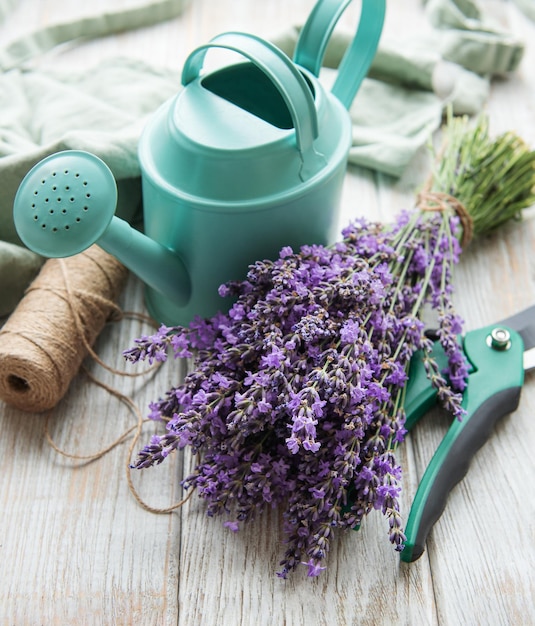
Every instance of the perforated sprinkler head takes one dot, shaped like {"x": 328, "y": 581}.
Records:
{"x": 65, "y": 203}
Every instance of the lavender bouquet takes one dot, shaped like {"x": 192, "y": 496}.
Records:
{"x": 296, "y": 396}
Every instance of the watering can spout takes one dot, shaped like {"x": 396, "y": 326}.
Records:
{"x": 67, "y": 202}
{"x": 157, "y": 266}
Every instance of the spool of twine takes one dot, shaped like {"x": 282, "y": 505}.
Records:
{"x": 46, "y": 338}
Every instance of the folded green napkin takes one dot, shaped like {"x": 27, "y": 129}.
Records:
{"x": 103, "y": 110}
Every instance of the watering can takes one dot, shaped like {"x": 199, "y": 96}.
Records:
{"x": 244, "y": 160}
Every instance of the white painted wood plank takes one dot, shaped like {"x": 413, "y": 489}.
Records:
{"x": 79, "y": 548}
{"x": 81, "y": 551}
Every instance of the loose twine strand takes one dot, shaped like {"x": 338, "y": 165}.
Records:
{"x": 428, "y": 200}
{"x": 45, "y": 340}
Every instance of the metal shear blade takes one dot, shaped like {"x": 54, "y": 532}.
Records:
{"x": 529, "y": 359}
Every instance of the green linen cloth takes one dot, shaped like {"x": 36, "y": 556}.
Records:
{"x": 527, "y": 7}
{"x": 103, "y": 110}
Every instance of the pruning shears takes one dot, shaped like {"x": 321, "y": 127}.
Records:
{"x": 498, "y": 355}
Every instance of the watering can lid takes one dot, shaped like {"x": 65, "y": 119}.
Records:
{"x": 214, "y": 144}
{"x": 246, "y": 105}
{"x": 244, "y": 131}
{"x": 209, "y": 121}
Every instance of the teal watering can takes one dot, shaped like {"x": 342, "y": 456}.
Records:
{"x": 244, "y": 160}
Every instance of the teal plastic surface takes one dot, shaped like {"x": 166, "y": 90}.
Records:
{"x": 420, "y": 396}
{"x": 66, "y": 203}
{"x": 315, "y": 35}
{"x": 493, "y": 388}
{"x": 287, "y": 80}
{"x": 244, "y": 160}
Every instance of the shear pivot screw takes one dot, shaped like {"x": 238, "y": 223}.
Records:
{"x": 499, "y": 339}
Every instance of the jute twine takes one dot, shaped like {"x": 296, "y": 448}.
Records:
{"x": 45, "y": 340}
{"x": 428, "y": 200}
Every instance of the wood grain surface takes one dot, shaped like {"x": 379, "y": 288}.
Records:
{"x": 77, "y": 549}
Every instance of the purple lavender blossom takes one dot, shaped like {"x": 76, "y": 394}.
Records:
{"x": 295, "y": 397}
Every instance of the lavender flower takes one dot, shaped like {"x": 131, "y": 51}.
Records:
{"x": 295, "y": 399}
{"x": 295, "y": 394}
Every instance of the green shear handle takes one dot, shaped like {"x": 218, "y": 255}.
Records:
{"x": 493, "y": 390}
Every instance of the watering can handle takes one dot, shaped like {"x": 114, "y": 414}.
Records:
{"x": 315, "y": 35}
{"x": 284, "y": 75}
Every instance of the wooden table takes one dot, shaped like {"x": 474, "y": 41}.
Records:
{"x": 76, "y": 547}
